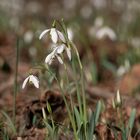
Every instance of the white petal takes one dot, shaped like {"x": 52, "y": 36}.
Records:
{"x": 118, "y": 97}
{"x": 34, "y": 80}
{"x": 25, "y": 82}
{"x": 70, "y": 34}
{"x": 61, "y": 36}
{"x": 59, "y": 59}
{"x": 43, "y": 33}
{"x": 50, "y": 57}
{"x": 68, "y": 50}
{"x": 53, "y": 46}
{"x": 60, "y": 48}
{"x": 54, "y": 35}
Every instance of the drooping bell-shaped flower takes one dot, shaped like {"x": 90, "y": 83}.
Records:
{"x": 31, "y": 79}
{"x": 54, "y": 33}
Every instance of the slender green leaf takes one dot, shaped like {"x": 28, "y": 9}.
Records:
{"x": 77, "y": 116}
{"x": 91, "y": 127}
{"x": 49, "y": 108}
{"x": 49, "y": 127}
{"x": 97, "y": 112}
{"x": 94, "y": 120}
{"x": 10, "y": 123}
{"x": 131, "y": 121}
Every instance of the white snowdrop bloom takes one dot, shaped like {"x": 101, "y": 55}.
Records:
{"x": 33, "y": 79}
{"x": 118, "y": 98}
{"x": 106, "y": 31}
{"x": 55, "y": 53}
{"x": 57, "y": 50}
{"x": 54, "y": 33}
{"x": 68, "y": 50}
{"x": 63, "y": 47}
{"x": 49, "y": 58}
{"x": 70, "y": 34}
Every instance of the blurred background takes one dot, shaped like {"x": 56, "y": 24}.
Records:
{"x": 107, "y": 36}
{"x": 106, "y": 33}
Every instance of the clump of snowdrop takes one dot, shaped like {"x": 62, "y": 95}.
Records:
{"x": 31, "y": 79}
{"x": 57, "y": 47}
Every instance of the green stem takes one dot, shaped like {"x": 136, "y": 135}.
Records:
{"x": 15, "y": 82}
{"x": 83, "y": 90}
{"x": 84, "y": 103}
{"x": 77, "y": 88}
{"x": 65, "y": 101}
{"x": 66, "y": 72}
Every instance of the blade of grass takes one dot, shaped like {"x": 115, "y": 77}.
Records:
{"x": 97, "y": 112}
{"x": 78, "y": 119}
{"x": 15, "y": 82}
{"x": 10, "y": 123}
{"x": 131, "y": 122}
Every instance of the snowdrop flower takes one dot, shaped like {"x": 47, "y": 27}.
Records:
{"x": 70, "y": 34}
{"x": 54, "y": 33}
{"x": 61, "y": 48}
{"x": 57, "y": 50}
{"x": 68, "y": 51}
{"x": 55, "y": 53}
{"x": 118, "y": 98}
{"x": 106, "y": 31}
{"x": 33, "y": 79}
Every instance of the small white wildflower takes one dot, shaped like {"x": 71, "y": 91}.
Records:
{"x": 106, "y": 31}
{"x": 61, "y": 48}
{"x": 57, "y": 51}
{"x": 70, "y": 34}
{"x": 68, "y": 50}
{"x": 54, "y": 33}
{"x": 33, "y": 79}
{"x": 49, "y": 59}
{"x": 118, "y": 98}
